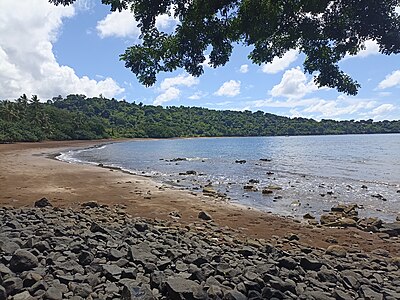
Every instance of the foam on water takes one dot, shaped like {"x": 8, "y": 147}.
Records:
{"x": 305, "y": 168}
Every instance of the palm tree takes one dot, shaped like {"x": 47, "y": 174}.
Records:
{"x": 22, "y": 104}
{"x": 36, "y": 109}
{"x": 8, "y": 111}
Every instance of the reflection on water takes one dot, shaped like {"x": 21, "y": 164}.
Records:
{"x": 314, "y": 172}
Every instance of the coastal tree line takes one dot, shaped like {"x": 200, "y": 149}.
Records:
{"x": 79, "y": 117}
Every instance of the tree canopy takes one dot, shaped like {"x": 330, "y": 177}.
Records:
{"x": 79, "y": 117}
{"x": 325, "y": 31}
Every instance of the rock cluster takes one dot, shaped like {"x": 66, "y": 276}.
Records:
{"x": 346, "y": 215}
{"x": 100, "y": 252}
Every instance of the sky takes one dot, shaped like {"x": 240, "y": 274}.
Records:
{"x": 49, "y": 51}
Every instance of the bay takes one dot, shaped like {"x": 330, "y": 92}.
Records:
{"x": 308, "y": 174}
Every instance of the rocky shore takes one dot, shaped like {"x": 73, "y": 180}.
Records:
{"x": 100, "y": 252}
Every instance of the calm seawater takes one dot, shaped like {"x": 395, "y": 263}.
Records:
{"x": 313, "y": 172}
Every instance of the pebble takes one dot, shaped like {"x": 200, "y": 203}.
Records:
{"x": 23, "y": 260}
{"x": 98, "y": 252}
{"x": 336, "y": 250}
{"x": 204, "y": 216}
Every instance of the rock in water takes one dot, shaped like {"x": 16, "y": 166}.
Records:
{"x": 191, "y": 172}
{"x": 209, "y": 191}
{"x": 346, "y": 222}
{"x": 42, "y": 203}
{"x": 23, "y": 260}
{"x": 392, "y": 229}
{"x": 254, "y": 181}
{"x": 328, "y": 218}
{"x": 308, "y": 216}
{"x": 204, "y": 216}
{"x": 267, "y": 192}
{"x": 248, "y": 187}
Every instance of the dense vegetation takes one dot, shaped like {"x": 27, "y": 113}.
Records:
{"x": 324, "y": 30}
{"x": 78, "y": 117}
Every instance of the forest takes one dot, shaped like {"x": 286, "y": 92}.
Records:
{"x": 77, "y": 117}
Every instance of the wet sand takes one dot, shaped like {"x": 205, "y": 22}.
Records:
{"x": 28, "y": 172}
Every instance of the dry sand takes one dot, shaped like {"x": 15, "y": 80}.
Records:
{"x": 28, "y": 173}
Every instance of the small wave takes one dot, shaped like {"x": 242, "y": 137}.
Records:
{"x": 68, "y": 157}
{"x": 100, "y": 147}
{"x": 179, "y": 159}
{"x": 96, "y": 147}
{"x": 149, "y": 173}
{"x": 196, "y": 159}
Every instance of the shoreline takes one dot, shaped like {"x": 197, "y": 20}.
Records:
{"x": 28, "y": 174}
{"x": 307, "y": 191}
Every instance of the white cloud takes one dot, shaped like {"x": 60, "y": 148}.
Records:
{"x": 182, "y": 79}
{"x": 123, "y": 24}
{"x": 290, "y": 103}
{"x": 371, "y": 48}
{"x": 382, "y": 109}
{"x": 169, "y": 90}
{"x": 279, "y": 64}
{"x": 230, "y": 88}
{"x": 343, "y": 107}
{"x": 296, "y": 114}
{"x": 166, "y": 21}
{"x": 223, "y": 103}
{"x": 294, "y": 84}
{"x": 207, "y": 62}
{"x": 171, "y": 93}
{"x": 382, "y": 112}
{"x": 244, "y": 69}
{"x": 84, "y": 5}
{"x": 27, "y": 61}
{"x": 119, "y": 24}
{"x": 385, "y": 94}
{"x": 198, "y": 95}
{"x": 195, "y": 96}
{"x": 390, "y": 80}
{"x": 336, "y": 108}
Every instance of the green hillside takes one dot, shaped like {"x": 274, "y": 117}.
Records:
{"x": 78, "y": 117}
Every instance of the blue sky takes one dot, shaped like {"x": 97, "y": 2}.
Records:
{"x": 51, "y": 51}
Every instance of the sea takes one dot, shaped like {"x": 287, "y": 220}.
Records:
{"x": 306, "y": 174}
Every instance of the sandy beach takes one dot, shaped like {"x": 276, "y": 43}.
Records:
{"x": 28, "y": 172}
